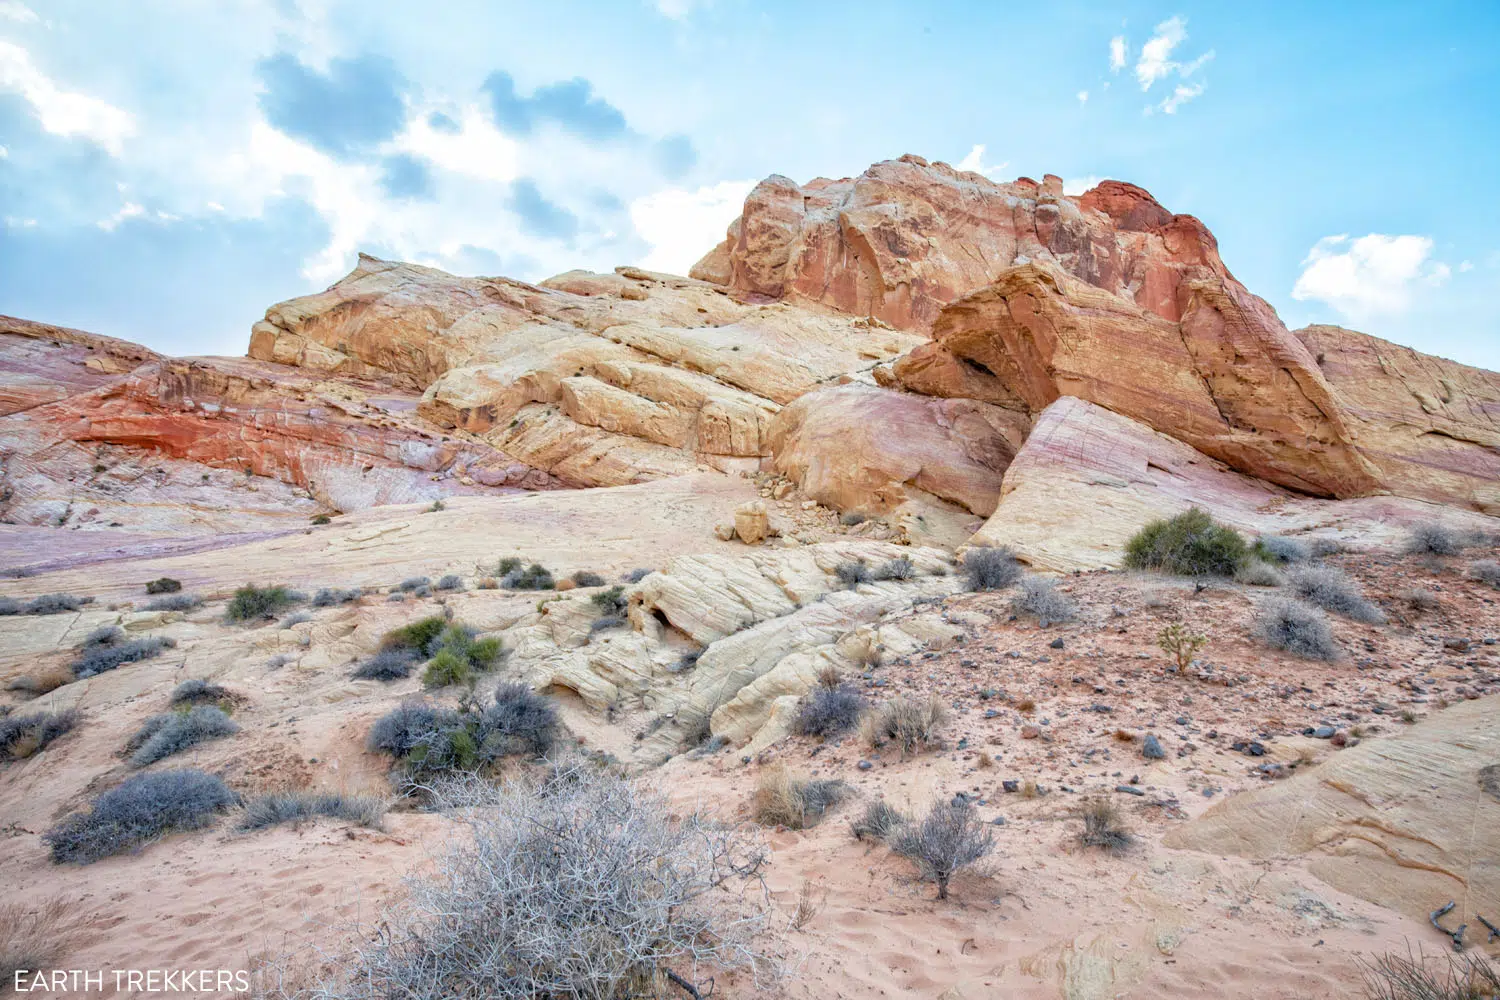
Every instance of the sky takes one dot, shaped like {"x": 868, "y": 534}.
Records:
{"x": 170, "y": 168}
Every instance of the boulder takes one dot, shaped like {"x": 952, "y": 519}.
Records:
{"x": 751, "y": 523}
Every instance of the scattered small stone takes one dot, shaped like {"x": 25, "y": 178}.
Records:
{"x": 1056, "y": 643}
{"x": 1011, "y": 786}
{"x": 1151, "y": 748}
{"x": 998, "y": 821}
{"x": 1323, "y": 733}
{"x": 1129, "y": 790}
{"x": 865, "y": 765}
{"x": 1030, "y": 732}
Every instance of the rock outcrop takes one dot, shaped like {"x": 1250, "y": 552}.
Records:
{"x": 1088, "y": 478}
{"x": 1402, "y": 821}
{"x": 1431, "y": 427}
{"x": 600, "y": 380}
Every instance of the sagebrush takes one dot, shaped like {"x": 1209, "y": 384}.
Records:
{"x": 138, "y": 811}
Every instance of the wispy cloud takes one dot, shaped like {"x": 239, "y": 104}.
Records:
{"x": 1180, "y": 96}
{"x": 975, "y": 162}
{"x": 1078, "y": 185}
{"x": 59, "y": 111}
{"x": 1369, "y": 276}
{"x": 14, "y": 10}
{"x": 1083, "y": 97}
{"x": 1117, "y": 53}
{"x": 682, "y": 225}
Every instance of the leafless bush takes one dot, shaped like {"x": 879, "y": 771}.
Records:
{"x": 1420, "y": 599}
{"x": 1039, "y": 596}
{"x": 990, "y": 568}
{"x": 1331, "y": 590}
{"x": 1486, "y": 571}
{"x": 1298, "y": 628}
{"x": 950, "y": 837}
{"x": 1431, "y": 538}
{"x": 899, "y": 568}
{"x": 581, "y": 888}
{"x": 1258, "y": 573}
{"x": 852, "y": 573}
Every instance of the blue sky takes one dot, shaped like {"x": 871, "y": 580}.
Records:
{"x": 169, "y": 168}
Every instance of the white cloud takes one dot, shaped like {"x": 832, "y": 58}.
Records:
{"x": 682, "y": 225}
{"x": 62, "y": 112}
{"x": 1078, "y": 185}
{"x": 1368, "y": 276}
{"x": 1467, "y": 265}
{"x": 4, "y": 153}
{"x": 975, "y": 162}
{"x": 1083, "y": 97}
{"x": 129, "y": 210}
{"x": 477, "y": 150}
{"x": 1156, "y": 54}
{"x": 677, "y": 10}
{"x": 1180, "y": 96}
{"x": 14, "y": 10}
{"x": 1117, "y": 53}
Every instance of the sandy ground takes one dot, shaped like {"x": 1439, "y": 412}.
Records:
{"x": 1045, "y": 918}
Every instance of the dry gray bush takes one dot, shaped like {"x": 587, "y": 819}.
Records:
{"x": 1411, "y": 977}
{"x": 1331, "y": 590}
{"x": 990, "y": 568}
{"x": 1486, "y": 571}
{"x": 1039, "y": 596}
{"x": 1298, "y": 628}
{"x": 950, "y": 837}
{"x": 584, "y": 886}
{"x": 33, "y": 936}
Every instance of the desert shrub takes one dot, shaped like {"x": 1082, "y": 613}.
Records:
{"x": 251, "y": 602}
{"x": 607, "y": 622}
{"x": 197, "y": 691}
{"x": 795, "y": 803}
{"x": 521, "y": 721}
{"x": 587, "y": 578}
{"x": 828, "y": 711}
{"x": 104, "y": 635}
{"x": 403, "y": 728}
{"x": 1258, "y": 573}
{"x": 98, "y": 659}
{"x": 987, "y": 568}
{"x": 509, "y": 564}
{"x": 484, "y": 652}
{"x": 54, "y": 604}
{"x": 321, "y": 519}
{"x": 1486, "y": 571}
{"x": 412, "y": 583}
{"x": 386, "y": 665}
{"x": 1321, "y": 547}
{"x": 638, "y": 574}
{"x": 298, "y": 618}
{"x": 22, "y": 736}
{"x": 447, "y": 667}
{"x": 1190, "y": 544}
{"x": 327, "y": 597}
{"x": 879, "y": 820}
{"x": 911, "y": 723}
{"x": 163, "y": 585}
{"x": 1397, "y": 977}
{"x": 1180, "y": 644}
{"x": 421, "y": 636}
{"x": 1331, "y": 590}
{"x": 9, "y": 606}
{"x": 451, "y": 581}
{"x": 295, "y": 807}
{"x": 586, "y": 888}
{"x": 1278, "y": 550}
{"x": 33, "y": 936}
{"x": 173, "y": 732}
{"x": 1040, "y": 597}
{"x": 1420, "y": 599}
{"x": 138, "y": 811}
{"x": 44, "y": 680}
{"x": 1102, "y": 826}
{"x": 533, "y": 577}
{"x": 1300, "y": 629}
{"x": 1432, "y": 538}
{"x": 612, "y": 601}
{"x": 899, "y": 568}
{"x": 949, "y": 838}
{"x": 175, "y": 602}
{"x": 852, "y": 573}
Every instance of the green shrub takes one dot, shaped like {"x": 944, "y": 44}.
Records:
{"x": 250, "y": 602}
{"x": 534, "y": 577}
{"x": 588, "y": 578}
{"x": 1190, "y": 544}
{"x": 163, "y": 585}
{"x": 510, "y": 564}
{"x": 447, "y": 667}
{"x": 321, "y": 519}
{"x": 484, "y": 652}
{"x": 611, "y": 602}
{"x": 420, "y": 636}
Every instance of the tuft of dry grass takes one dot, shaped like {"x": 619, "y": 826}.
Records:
{"x": 33, "y": 937}
{"x": 984, "y": 760}
{"x": 910, "y": 723}
{"x": 782, "y": 799}
{"x": 43, "y": 681}
{"x": 1103, "y": 827}
{"x": 1411, "y": 977}
{"x": 1029, "y": 789}
{"x": 1121, "y": 736}
{"x": 1026, "y": 706}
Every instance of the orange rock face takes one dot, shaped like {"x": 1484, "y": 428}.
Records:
{"x": 1430, "y": 426}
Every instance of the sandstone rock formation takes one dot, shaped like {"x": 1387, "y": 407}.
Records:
{"x": 1088, "y": 478}
{"x": 599, "y": 380}
{"x": 1402, "y": 821}
{"x": 1430, "y": 426}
